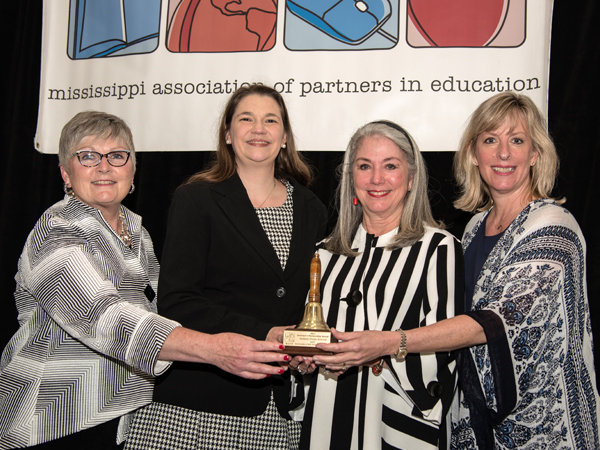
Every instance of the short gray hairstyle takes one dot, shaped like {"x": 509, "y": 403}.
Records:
{"x": 92, "y": 123}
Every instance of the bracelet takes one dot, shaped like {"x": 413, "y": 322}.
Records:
{"x": 402, "y": 350}
{"x": 399, "y": 355}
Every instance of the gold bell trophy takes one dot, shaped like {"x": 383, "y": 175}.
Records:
{"x": 312, "y": 330}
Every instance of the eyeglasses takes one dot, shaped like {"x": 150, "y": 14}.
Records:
{"x": 89, "y": 158}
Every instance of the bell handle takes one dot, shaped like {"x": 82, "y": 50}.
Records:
{"x": 314, "y": 293}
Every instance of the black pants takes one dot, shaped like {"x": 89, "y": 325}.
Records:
{"x": 100, "y": 437}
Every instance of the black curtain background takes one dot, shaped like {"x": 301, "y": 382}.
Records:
{"x": 31, "y": 181}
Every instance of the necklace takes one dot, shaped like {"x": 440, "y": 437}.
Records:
{"x": 125, "y": 235}
{"x": 274, "y": 184}
{"x": 509, "y": 218}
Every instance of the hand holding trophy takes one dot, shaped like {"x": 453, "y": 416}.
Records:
{"x": 312, "y": 330}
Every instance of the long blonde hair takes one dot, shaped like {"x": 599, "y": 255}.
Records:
{"x": 489, "y": 116}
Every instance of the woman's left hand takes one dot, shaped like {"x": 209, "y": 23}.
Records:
{"x": 357, "y": 348}
{"x": 303, "y": 364}
{"x": 275, "y": 334}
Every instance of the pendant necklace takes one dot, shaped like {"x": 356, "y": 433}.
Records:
{"x": 125, "y": 235}
{"x": 265, "y": 201}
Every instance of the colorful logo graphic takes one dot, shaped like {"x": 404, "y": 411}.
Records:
{"x": 102, "y": 28}
{"x": 106, "y": 28}
{"x": 466, "y": 23}
{"x": 221, "y": 25}
{"x": 340, "y": 24}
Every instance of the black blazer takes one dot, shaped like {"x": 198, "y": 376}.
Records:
{"x": 219, "y": 273}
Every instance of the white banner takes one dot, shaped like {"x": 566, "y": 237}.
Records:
{"x": 167, "y": 67}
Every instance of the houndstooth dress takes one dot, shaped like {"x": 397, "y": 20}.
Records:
{"x": 162, "y": 426}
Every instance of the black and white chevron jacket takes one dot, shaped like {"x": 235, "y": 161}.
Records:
{"x": 89, "y": 337}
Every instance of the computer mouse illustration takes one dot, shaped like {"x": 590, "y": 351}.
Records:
{"x": 349, "y": 21}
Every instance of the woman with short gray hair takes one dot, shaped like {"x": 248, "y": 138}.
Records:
{"x": 90, "y": 342}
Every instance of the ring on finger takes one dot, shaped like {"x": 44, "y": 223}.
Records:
{"x": 344, "y": 366}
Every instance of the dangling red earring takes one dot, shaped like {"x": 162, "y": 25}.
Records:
{"x": 355, "y": 201}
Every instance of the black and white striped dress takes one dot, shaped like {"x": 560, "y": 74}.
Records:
{"x": 407, "y": 288}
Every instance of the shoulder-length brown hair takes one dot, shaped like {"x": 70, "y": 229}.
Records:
{"x": 223, "y": 165}
{"x": 489, "y": 116}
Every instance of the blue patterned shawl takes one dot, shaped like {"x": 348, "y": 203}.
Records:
{"x": 533, "y": 384}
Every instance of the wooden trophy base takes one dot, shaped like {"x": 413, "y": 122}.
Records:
{"x": 302, "y": 342}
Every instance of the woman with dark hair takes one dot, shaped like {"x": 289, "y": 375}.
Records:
{"x": 237, "y": 255}
{"x": 388, "y": 266}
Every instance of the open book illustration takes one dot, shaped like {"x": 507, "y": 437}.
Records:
{"x": 101, "y": 28}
